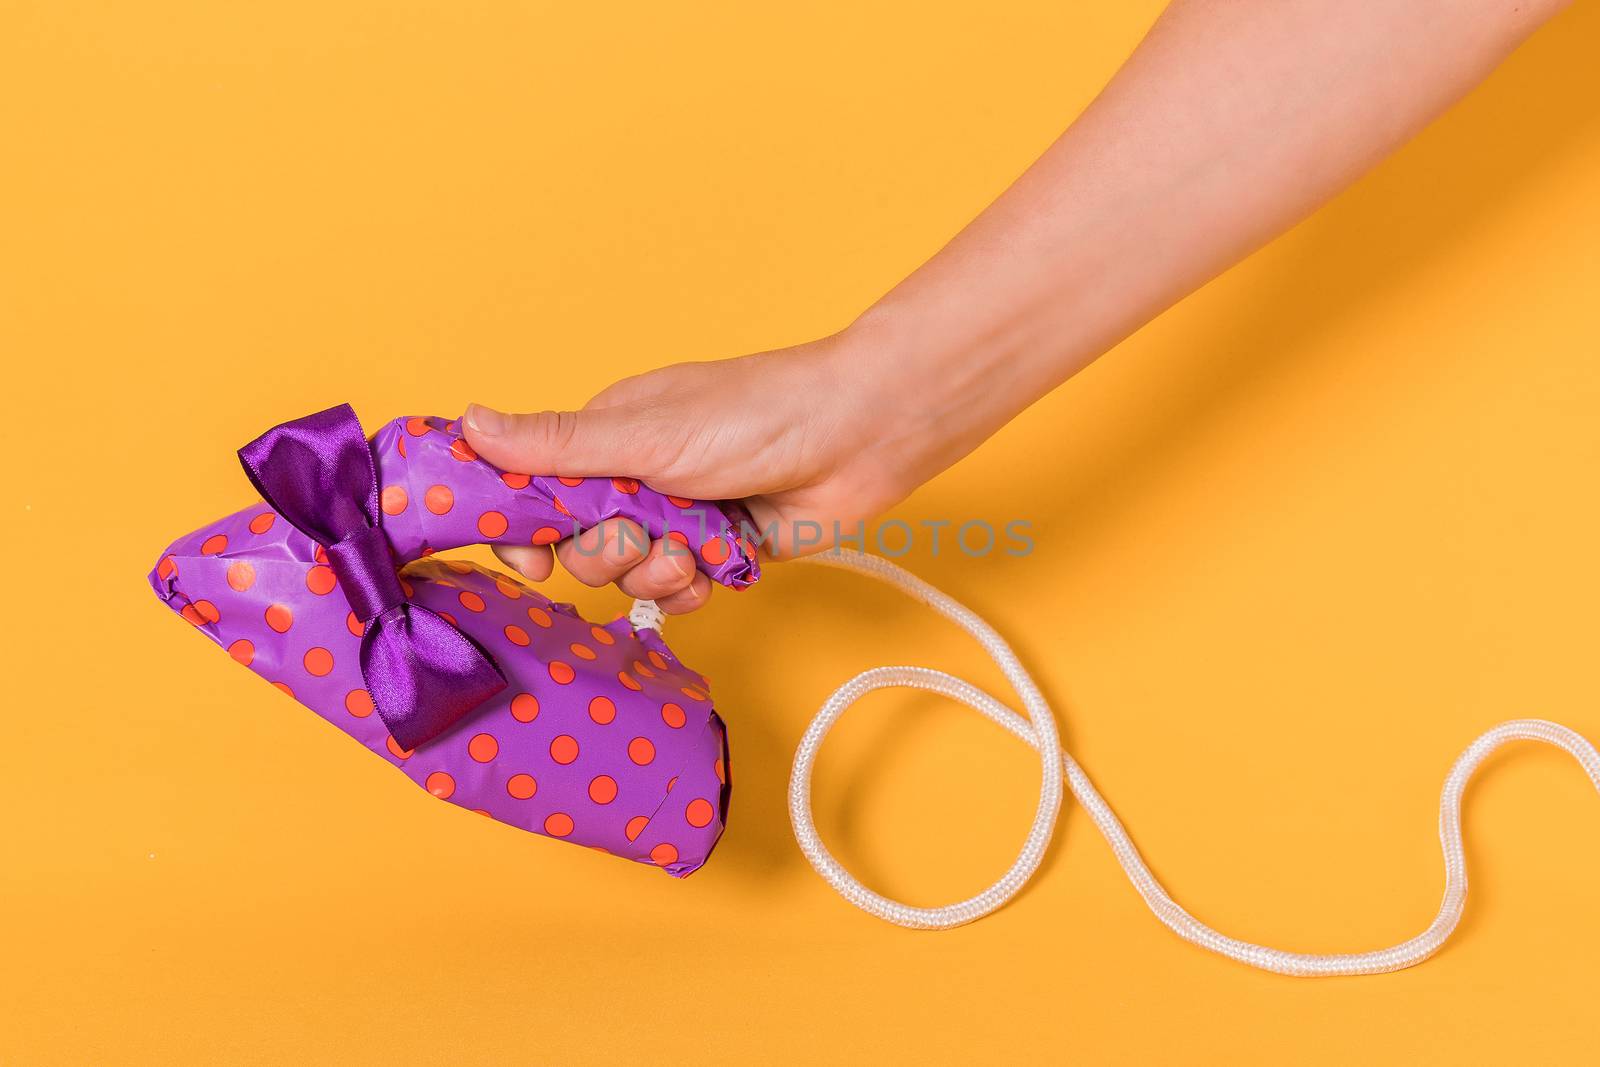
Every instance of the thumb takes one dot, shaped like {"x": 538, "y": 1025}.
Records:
{"x": 574, "y": 444}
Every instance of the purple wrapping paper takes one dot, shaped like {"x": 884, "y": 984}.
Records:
{"x": 602, "y": 737}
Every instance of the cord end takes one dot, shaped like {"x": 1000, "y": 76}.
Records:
{"x": 646, "y": 615}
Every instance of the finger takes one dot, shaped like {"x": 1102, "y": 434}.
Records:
{"x": 572, "y": 444}
{"x": 667, "y": 569}
{"x": 604, "y": 552}
{"x": 533, "y": 562}
{"x": 690, "y": 598}
{"x": 781, "y": 534}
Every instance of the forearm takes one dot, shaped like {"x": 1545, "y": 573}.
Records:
{"x": 1232, "y": 121}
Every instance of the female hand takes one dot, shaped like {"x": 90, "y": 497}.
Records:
{"x": 1228, "y": 124}
{"x": 800, "y": 435}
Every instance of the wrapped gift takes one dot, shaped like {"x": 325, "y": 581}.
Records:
{"x": 475, "y": 686}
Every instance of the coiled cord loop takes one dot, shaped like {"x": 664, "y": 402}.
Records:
{"x": 1039, "y": 730}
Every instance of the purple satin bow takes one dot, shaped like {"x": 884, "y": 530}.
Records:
{"x": 422, "y": 673}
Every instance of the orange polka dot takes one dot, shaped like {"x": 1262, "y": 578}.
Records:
{"x": 492, "y": 524}
{"x": 354, "y": 625}
{"x": 658, "y": 659}
{"x": 449, "y": 618}
{"x": 406, "y": 587}
{"x": 166, "y": 568}
{"x": 629, "y": 486}
{"x": 672, "y": 782}
{"x": 214, "y": 544}
{"x": 680, "y": 501}
{"x": 570, "y": 482}
{"x": 280, "y": 618}
{"x": 241, "y": 575}
{"x": 483, "y": 747}
{"x": 524, "y": 707}
{"x": 641, "y": 751}
{"x": 558, "y": 824}
{"x": 395, "y": 750}
{"x": 641, "y": 670}
{"x": 602, "y": 710}
{"x": 522, "y": 786}
{"x": 470, "y": 600}
{"x": 509, "y": 590}
{"x": 699, "y": 812}
{"x": 243, "y": 651}
{"x": 556, "y": 503}
{"x": 263, "y": 522}
{"x": 517, "y": 635}
{"x": 358, "y": 702}
{"x": 564, "y": 749}
{"x": 714, "y": 551}
{"x": 441, "y": 785}
{"x": 201, "y": 612}
{"x": 581, "y": 651}
{"x": 516, "y": 481}
{"x": 284, "y": 689}
{"x": 462, "y": 451}
{"x": 629, "y": 681}
{"x": 603, "y": 789}
{"x": 416, "y": 426}
{"x": 546, "y": 535}
{"x": 636, "y": 826}
{"x": 602, "y": 635}
{"x": 439, "y": 499}
{"x": 318, "y": 662}
{"x": 540, "y": 617}
{"x": 460, "y": 566}
{"x": 400, "y": 446}
{"x": 673, "y": 716}
{"x": 692, "y": 693}
{"x": 393, "y": 500}
{"x": 664, "y": 854}
{"x": 480, "y": 811}
{"x": 561, "y": 673}
{"x": 320, "y": 580}
{"x": 722, "y": 771}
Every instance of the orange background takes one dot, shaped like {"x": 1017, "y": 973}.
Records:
{"x": 1298, "y": 542}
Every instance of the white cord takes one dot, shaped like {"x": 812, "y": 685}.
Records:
{"x": 1039, "y": 730}
{"x": 646, "y": 615}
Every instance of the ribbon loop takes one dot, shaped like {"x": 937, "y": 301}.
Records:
{"x": 421, "y": 672}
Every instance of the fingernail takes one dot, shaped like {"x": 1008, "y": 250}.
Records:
{"x": 669, "y": 567}
{"x": 486, "y": 421}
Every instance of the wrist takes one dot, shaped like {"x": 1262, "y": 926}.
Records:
{"x": 907, "y": 403}
{"x": 937, "y": 379}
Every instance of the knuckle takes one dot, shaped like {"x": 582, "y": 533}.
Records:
{"x": 546, "y": 433}
{"x": 586, "y": 566}
{"x": 588, "y": 574}
{"x": 642, "y": 586}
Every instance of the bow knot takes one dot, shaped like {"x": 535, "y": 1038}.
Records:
{"x": 421, "y": 672}
{"x": 366, "y": 572}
